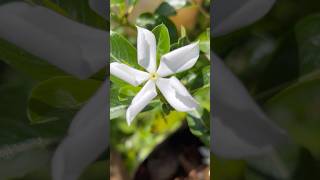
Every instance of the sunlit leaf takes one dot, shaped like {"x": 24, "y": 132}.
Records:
{"x": 121, "y": 50}
{"x": 163, "y": 40}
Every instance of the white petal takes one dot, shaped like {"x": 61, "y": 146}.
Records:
{"x": 86, "y": 140}
{"x": 75, "y": 48}
{"x": 176, "y": 94}
{"x": 128, "y": 74}
{"x": 141, "y": 100}
{"x": 229, "y": 15}
{"x": 101, "y": 7}
{"x": 146, "y": 43}
{"x": 241, "y": 128}
{"x": 179, "y": 60}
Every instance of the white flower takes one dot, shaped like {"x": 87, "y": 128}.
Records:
{"x": 83, "y": 53}
{"x": 173, "y": 62}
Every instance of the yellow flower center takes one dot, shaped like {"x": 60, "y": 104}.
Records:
{"x": 153, "y": 76}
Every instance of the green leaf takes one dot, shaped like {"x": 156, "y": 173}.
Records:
{"x": 297, "y": 110}
{"x": 163, "y": 40}
{"x": 59, "y": 98}
{"x": 147, "y": 20}
{"x": 121, "y": 50}
{"x": 115, "y": 98}
{"x": 171, "y": 27}
{"x": 202, "y": 96}
{"x": 204, "y": 42}
{"x": 27, "y": 63}
{"x": 166, "y": 108}
{"x": 199, "y": 124}
{"x": 183, "y": 31}
{"x": 182, "y": 41}
{"x": 119, "y": 8}
{"x": 129, "y": 90}
{"x": 165, "y": 9}
{"x": 308, "y": 37}
{"x": 117, "y": 111}
{"x": 150, "y": 21}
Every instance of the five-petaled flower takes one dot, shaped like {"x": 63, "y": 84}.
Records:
{"x": 173, "y": 62}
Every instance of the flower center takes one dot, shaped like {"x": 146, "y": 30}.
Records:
{"x": 153, "y": 76}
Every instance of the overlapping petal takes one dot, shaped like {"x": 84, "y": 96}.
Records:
{"x": 130, "y": 75}
{"x": 75, "y": 48}
{"x": 141, "y": 100}
{"x": 178, "y": 60}
{"x": 176, "y": 94}
{"x": 86, "y": 140}
{"x": 229, "y": 15}
{"x": 236, "y": 117}
{"x": 146, "y": 49}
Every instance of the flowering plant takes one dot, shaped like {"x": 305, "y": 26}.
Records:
{"x": 172, "y": 89}
{"x": 54, "y": 88}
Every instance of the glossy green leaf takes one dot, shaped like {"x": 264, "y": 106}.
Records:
{"x": 150, "y": 21}
{"x": 202, "y": 96}
{"x": 163, "y": 40}
{"x": 121, "y": 50}
{"x": 117, "y": 111}
{"x": 199, "y": 124}
{"x": 165, "y": 9}
{"x": 147, "y": 20}
{"x": 129, "y": 90}
{"x": 182, "y": 41}
{"x": 204, "y": 42}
